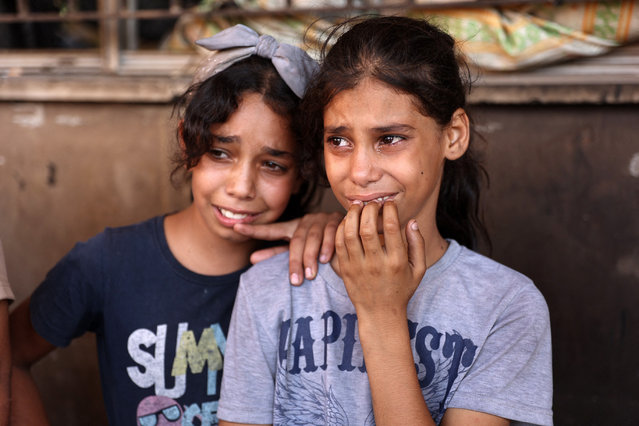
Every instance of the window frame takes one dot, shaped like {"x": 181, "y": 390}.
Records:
{"x": 112, "y": 73}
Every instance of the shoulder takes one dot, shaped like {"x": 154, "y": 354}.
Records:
{"x": 484, "y": 269}
{"x": 273, "y": 269}
{"x": 264, "y": 295}
{"x": 487, "y": 268}
{"x": 136, "y": 231}
{"x": 112, "y": 247}
{"x": 123, "y": 239}
{"x": 491, "y": 281}
{"x": 267, "y": 277}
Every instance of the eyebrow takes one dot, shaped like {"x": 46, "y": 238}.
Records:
{"x": 276, "y": 152}
{"x": 265, "y": 149}
{"x": 393, "y": 128}
{"x": 335, "y": 130}
{"x": 226, "y": 139}
{"x": 381, "y": 129}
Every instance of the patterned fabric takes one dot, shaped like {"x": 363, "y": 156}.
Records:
{"x": 498, "y": 39}
{"x": 526, "y": 36}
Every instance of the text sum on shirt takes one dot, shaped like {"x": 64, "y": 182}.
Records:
{"x": 189, "y": 354}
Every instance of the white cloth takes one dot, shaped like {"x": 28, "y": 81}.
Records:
{"x": 5, "y": 288}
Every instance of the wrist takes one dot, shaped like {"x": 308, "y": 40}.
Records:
{"x": 390, "y": 325}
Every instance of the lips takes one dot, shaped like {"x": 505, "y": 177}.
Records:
{"x": 231, "y": 217}
{"x": 372, "y": 198}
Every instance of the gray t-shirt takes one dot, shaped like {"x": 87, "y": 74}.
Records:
{"x": 480, "y": 334}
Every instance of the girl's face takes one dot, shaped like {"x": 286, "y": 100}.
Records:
{"x": 378, "y": 146}
{"x": 249, "y": 174}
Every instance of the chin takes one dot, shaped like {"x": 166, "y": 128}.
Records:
{"x": 229, "y": 234}
{"x": 238, "y": 238}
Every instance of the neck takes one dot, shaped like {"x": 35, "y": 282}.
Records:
{"x": 200, "y": 251}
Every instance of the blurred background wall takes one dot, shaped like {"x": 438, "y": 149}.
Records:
{"x": 66, "y": 172}
{"x": 82, "y": 149}
{"x": 562, "y": 207}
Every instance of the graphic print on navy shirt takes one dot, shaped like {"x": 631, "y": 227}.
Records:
{"x": 440, "y": 357}
{"x": 195, "y": 362}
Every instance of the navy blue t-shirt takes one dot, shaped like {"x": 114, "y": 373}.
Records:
{"x": 160, "y": 328}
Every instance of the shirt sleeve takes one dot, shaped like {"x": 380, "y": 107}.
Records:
{"x": 67, "y": 303}
{"x": 512, "y": 374}
{"x": 250, "y": 363}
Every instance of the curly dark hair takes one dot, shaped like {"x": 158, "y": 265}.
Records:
{"x": 416, "y": 58}
{"x": 215, "y": 99}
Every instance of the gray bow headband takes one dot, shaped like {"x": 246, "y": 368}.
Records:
{"x": 239, "y": 42}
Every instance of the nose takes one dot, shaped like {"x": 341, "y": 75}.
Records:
{"x": 364, "y": 168}
{"x": 240, "y": 182}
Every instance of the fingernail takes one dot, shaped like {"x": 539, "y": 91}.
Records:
{"x": 323, "y": 258}
{"x": 295, "y": 279}
{"x": 309, "y": 273}
{"x": 356, "y": 202}
{"x": 414, "y": 226}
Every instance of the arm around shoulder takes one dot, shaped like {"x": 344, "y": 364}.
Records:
{"x": 27, "y": 347}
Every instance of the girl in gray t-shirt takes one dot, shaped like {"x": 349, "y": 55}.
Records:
{"x": 406, "y": 325}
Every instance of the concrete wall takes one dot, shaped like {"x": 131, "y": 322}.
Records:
{"x": 563, "y": 208}
{"x": 66, "y": 172}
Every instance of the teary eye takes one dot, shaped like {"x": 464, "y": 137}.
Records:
{"x": 336, "y": 141}
{"x": 391, "y": 139}
{"x": 274, "y": 166}
{"x": 218, "y": 154}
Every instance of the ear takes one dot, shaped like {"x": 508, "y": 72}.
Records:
{"x": 457, "y": 135}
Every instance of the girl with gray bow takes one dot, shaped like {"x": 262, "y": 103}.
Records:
{"x": 158, "y": 294}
